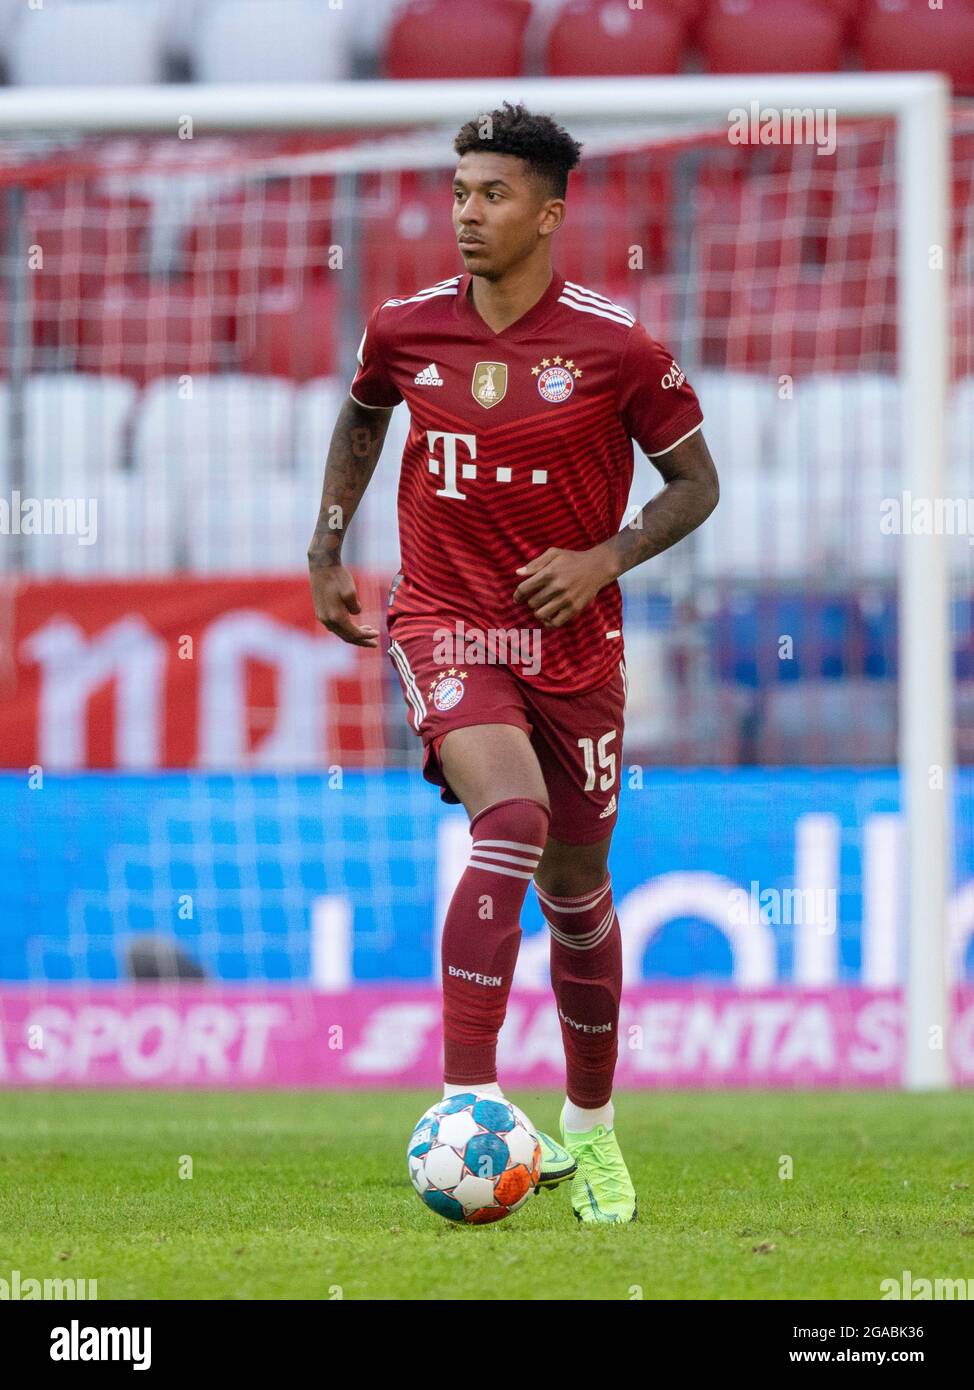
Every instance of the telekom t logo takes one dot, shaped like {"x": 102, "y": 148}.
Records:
{"x": 449, "y": 464}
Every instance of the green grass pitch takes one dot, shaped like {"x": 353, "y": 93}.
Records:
{"x": 306, "y": 1195}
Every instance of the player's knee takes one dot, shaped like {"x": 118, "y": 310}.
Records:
{"x": 570, "y": 871}
{"x": 521, "y": 820}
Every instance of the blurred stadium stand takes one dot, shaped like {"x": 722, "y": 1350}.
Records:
{"x": 307, "y": 42}
{"x": 188, "y": 339}
{"x": 180, "y": 343}
{"x": 102, "y": 42}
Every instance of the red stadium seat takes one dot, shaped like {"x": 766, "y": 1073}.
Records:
{"x": 603, "y": 222}
{"x": 771, "y": 36}
{"x": 457, "y": 38}
{"x": 412, "y": 245}
{"x": 143, "y": 329}
{"x": 89, "y": 244}
{"x": 908, "y": 36}
{"x": 592, "y": 38}
{"x": 751, "y": 227}
{"x": 264, "y": 235}
{"x": 962, "y": 296}
{"x": 848, "y": 12}
{"x": 962, "y": 166}
{"x": 290, "y": 334}
{"x": 87, "y": 240}
{"x": 806, "y": 322}
{"x": 860, "y": 233}
{"x": 658, "y": 307}
{"x": 848, "y": 9}
{"x": 962, "y": 331}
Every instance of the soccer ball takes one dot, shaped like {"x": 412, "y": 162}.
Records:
{"x": 474, "y": 1158}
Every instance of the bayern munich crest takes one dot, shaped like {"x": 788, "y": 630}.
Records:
{"x": 447, "y": 693}
{"x": 556, "y": 378}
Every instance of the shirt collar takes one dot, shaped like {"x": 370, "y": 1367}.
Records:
{"x": 520, "y": 328}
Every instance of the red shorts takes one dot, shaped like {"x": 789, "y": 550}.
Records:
{"x": 577, "y": 738}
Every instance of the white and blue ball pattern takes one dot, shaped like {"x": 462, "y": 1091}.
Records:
{"x": 474, "y": 1158}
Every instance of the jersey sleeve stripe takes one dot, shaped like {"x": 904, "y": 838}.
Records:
{"x": 658, "y": 453}
{"x": 448, "y": 287}
{"x": 593, "y": 297}
{"x": 592, "y": 294}
{"x": 621, "y": 316}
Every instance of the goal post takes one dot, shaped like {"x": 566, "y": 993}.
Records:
{"x": 926, "y": 706}
{"x": 919, "y": 106}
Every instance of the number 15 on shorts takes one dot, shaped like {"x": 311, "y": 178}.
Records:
{"x": 606, "y": 761}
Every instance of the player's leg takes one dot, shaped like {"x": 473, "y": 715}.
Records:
{"x": 475, "y": 731}
{"x": 567, "y": 870}
{"x": 578, "y": 745}
{"x": 494, "y": 771}
{"x": 574, "y": 889}
{"x": 484, "y": 763}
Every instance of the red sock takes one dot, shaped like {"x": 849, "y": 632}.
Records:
{"x": 482, "y": 934}
{"x": 586, "y": 975}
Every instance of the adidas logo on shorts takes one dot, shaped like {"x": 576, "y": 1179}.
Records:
{"x": 609, "y": 809}
{"x": 429, "y": 376}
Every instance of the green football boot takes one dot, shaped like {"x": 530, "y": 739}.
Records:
{"x": 602, "y": 1191}
{"x": 557, "y": 1164}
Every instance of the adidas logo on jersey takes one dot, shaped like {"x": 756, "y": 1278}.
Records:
{"x": 429, "y": 376}
{"x": 609, "y": 809}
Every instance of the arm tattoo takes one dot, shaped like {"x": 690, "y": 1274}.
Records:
{"x": 356, "y": 444}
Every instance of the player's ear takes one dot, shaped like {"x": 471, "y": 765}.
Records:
{"x": 552, "y": 216}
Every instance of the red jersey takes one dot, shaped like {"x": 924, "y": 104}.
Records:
{"x": 519, "y": 440}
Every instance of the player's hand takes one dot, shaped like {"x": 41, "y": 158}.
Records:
{"x": 560, "y": 583}
{"x": 335, "y": 600}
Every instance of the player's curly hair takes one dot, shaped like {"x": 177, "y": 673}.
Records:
{"x": 539, "y": 140}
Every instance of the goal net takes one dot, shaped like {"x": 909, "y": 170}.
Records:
{"x": 182, "y": 307}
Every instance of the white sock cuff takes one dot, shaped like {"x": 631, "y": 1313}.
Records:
{"x": 579, "y": 1121}
{"x": 482, "y": 1088}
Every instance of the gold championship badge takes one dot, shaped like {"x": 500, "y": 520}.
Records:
{"x": 489, "y": 383}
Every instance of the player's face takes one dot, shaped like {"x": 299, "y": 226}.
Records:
{"x": 500, "y": 212}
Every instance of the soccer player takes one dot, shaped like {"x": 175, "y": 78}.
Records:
{"x": 525, "y": 392}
